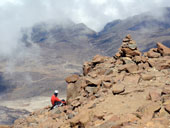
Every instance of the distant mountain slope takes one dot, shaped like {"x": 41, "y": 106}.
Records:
{"x": 146, "y": 30}
{"x": 53, "y": 52}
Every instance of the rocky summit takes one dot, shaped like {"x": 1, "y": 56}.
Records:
{"x": 129, "y": 90}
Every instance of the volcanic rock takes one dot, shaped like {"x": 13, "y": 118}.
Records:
{"x": 127, "y": 60}
{"x": 149, "y": 110}
{"x": 152, "y": 54}
{"x": 147, "y": 77}
{"x": 155, "y": 95}
{"x": 165, "y": 51}
{"x": 81, "y": 119}
{"x": 72, "y": 79}
{"x": 86, "y": 68}
{"x": 98, "y": 59}
{"x": 118, "y": 88}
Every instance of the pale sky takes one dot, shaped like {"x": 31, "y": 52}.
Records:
{"x": 17, "y": 14}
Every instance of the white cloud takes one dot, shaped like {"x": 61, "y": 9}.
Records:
{"x": 16, "y": 14}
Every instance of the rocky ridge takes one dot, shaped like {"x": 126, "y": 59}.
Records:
{"x": 145, "y": 28}
{"x": 127, "y": 90}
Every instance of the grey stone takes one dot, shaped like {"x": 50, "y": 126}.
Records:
{"x": 132, "y": 46}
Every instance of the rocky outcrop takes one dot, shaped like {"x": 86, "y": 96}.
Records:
{"x": 165, "y": 51}
{"x": 128, "y": 90}
{"x": 72, "y": 79}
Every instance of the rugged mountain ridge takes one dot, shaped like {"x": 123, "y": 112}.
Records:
{"x": 127, "y": 90}
{"x": 146, "y": 28}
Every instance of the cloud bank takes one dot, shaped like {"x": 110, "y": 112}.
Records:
{"x": 17, "y": 14}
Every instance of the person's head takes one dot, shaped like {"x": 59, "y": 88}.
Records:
{"x": 56, "y": 92}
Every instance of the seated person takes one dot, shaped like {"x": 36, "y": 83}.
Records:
{"x": 55, "y": 101}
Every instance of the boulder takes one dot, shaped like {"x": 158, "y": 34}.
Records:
{"x": 74, "y": 89}
{"x": 131, "y": 79}
{"x": 152, "y": 54}
{"x": 81, "y": 119}
{"x": 147, "y": 77}
{"x": 86, "y": 68}
{"x": 132, "y": 46}
{"x": 109, "y": 71}
{"x": 124, "y": 45}
{"x": 75, "y": 103}
{"x": 98, "y": 59}
{"x": 91, "y": 90}
{"x": 161, "y": 63}
{"x": 137, "y": 59}
{"x": 118, "y": 78}
{"x": 70, "y": 92}
{"x": 127, "y": 60}
{"x": 132, "y": 42}
{"x": 118, "y": 88}
{"x": 72, "y": 79}
{"x": 143, "y": 66}
{"x": 152, "y": 62}
{"x": 155, "y": 95}
{"x": 106, "y": 84}
{"x": 144, "y": 59}
{"x": 93, "y": 74}
{"x": 128, "y": 36}
{"x": 117, "y": 55}
{"x": 129, "y": 52}
{"x": 165, "y": 51}
{"x": 93, "y": 82}
{"x": 131, "y": 68}
{"x": 149, "y": 110}
{"x": 119, "y": 62}
{"x": 126, "y": 40}
{"x": 162, "y": 66}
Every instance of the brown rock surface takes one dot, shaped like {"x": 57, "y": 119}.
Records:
{"x": 129, "y": 52}
{"x": 118, "y": 88}
{"x": 165, "y": 51}
{"x": 152, "y": 54}
{"x": 72, "y": 79}
{"x": 167, "y": 108}
{"x": 98, "y": 59}
{"x": 147, "y": 77}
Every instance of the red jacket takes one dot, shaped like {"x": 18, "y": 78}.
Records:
{"x": 54, "y": 99}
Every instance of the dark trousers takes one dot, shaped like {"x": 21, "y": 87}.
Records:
{"x": 56, "y": 104}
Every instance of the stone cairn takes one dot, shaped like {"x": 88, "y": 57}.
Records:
{"x": 128, "y": 48}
